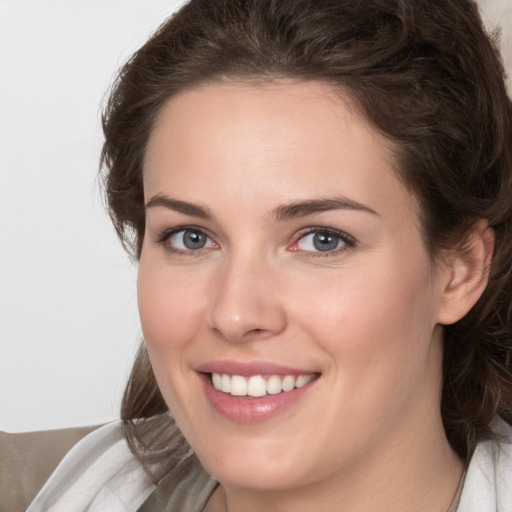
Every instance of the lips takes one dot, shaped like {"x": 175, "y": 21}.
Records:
{"x": 254, "y": 392}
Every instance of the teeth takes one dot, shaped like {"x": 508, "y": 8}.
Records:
{"x": 217, "y": 380}
{"x": 274, "y": 385}
{"x": 238, "y": 386}
{"x": 257, "y": 386}
{"x": 303, "y": 380}
{"x": 225, "y": 384}
{"x": 288, "y": 383}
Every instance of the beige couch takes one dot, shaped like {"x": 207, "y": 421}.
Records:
{"x": 28, "y": 459}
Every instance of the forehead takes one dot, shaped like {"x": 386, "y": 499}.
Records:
{"x": 300, "y": 139}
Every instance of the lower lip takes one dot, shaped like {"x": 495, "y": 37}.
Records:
{"x": 252, "y": 410}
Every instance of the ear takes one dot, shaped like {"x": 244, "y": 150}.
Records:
{"x": 467, "y": 273}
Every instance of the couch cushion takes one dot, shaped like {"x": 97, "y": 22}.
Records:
{"x": 28, "y": 459}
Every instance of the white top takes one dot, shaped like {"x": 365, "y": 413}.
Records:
{"x": 488, "y": 484}
{"x": 100, "y": 474}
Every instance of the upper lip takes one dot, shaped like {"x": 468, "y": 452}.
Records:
{"x": 247, "y": 369}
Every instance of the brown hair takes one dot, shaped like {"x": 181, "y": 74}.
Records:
{"x": 422, "y": 72}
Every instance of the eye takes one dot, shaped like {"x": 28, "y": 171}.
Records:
{"x": 187, "y": 239}
{"x": 323, "y": 241}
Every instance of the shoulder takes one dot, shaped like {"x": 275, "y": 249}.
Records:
{"x": 187, "y": 487}
{"x": 488, "y": 484}
{"x": 98, "y": 474}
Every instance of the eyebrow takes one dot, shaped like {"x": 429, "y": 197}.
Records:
{"x": 178, "y": 206}
{"x": 313, "y": 206}
{"x": 281, "y": 213}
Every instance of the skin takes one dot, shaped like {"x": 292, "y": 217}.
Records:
{"x": 367, "y": 316}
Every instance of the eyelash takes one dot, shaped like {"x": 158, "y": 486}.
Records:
{"x": 164, "y": 237}
{"x": 347, "y": 240}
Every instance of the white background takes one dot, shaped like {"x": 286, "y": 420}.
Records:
{"x": 68, "y": 313}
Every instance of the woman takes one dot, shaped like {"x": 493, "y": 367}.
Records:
{"x": 318, "y": 195}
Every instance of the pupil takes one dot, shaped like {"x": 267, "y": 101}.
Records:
{"x": 194, "y": 240}
{"x": 325, "y": 242}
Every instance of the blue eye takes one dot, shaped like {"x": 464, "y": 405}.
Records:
{"x": 189, "y": 240}
{"x": 322, "y": 240}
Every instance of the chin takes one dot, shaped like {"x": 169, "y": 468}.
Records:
{"x": 263, "y": 465}
{"x": 244, "y": 474}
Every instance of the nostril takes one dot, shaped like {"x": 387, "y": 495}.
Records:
{"x": 252, "y": 318}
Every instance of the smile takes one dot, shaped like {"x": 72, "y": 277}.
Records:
{"x": 255, "y": 391}
{"x": 258, "y": 386}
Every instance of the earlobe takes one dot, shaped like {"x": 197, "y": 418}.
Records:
{"x": 467, "y": 274}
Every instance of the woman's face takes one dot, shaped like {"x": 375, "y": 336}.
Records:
{"x": 282, "y": 258}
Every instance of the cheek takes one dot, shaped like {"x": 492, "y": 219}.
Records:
{"x": 169, "y": 307}
{"x": 376, "y": 321}
{"x": 170, "y": 314}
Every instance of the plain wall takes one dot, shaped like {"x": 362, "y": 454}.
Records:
{"x": 68, "y": 314}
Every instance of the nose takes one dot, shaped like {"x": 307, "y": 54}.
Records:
{"x": 246, "y": 303}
